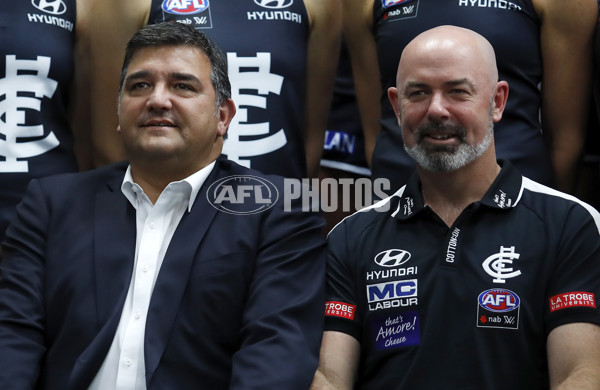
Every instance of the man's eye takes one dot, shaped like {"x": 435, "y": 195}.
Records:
{"x": 416, "y": 93}
{"x": 139, "y": 85}
{"x": 184, "y": 87}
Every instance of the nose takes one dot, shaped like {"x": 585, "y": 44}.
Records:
{"x": 159, "y": 99}
{"x": 438, "y": 108}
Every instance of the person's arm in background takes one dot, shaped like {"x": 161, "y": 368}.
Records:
{"x": 111, "y": 26}
{"x": 321, "y": 64}
{"x": 337, "y": 363}
{"x": 80, "y": 98}
{"x": 567, "y": 41}
{"x": 358, "y": 35}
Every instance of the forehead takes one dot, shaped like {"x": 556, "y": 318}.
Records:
{"x": 181, "y": 58}
{"x": 431, "y": 66}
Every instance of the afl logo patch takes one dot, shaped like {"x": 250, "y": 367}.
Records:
{"x": 184, "y": 7}
{"x": 389, "y": 3}
{"x": 498, "y": 300}
{"x": 392, "y": 257}
{"x": 54, "y": 7}
{"x": 274, "y": 4}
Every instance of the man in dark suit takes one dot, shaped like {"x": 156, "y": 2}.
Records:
{"x": 153, "y": 274}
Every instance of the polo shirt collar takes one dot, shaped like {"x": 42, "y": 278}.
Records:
{"x": 505, "y": 192}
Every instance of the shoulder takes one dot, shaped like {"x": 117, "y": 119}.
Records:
{"x": 240, "y": 190}
{"x": 87, "y": 180}
{"x": 355, "y": 226}
{"x": 552, "y": 206}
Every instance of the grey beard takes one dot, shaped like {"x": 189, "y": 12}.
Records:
{"x": 452, "y": 158}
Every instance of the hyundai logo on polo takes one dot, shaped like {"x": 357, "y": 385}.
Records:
{"x": 54, "y": 7}
{"x": 184, "y": 7}
{"x": 274, "y": 4}
{"x": 242, "y": 194}
{"x": 498, "y": 300}
{"x": 392, "y": 257}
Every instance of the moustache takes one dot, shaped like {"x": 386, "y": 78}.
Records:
{"x": 432, "y": 129}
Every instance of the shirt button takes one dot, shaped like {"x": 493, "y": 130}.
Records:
{"x": 152, "y": 225}
{"x": 145, "y": 268}
{"x": 138, "y": 315}
{"x": 128, "y": 362}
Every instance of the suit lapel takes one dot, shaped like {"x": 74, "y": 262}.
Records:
{"x": 114, "y": 250}
{"x": 174, "y": 275}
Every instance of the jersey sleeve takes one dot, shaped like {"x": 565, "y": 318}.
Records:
{"x": 341, "y": 306}
{"x": 574, "y": 287}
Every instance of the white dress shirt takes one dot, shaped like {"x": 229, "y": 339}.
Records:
{"x": 124, "y": 368}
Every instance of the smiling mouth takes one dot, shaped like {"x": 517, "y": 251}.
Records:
{"x": 158, "y": 124}
{"x": 440, "y": 136}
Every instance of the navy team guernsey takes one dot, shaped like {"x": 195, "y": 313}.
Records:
{"x": 512, "y": 27}
{"x": 36, "y": 69}
{"x": 266, "y": 44}
{"x": 465, "y": 307}
{"x": 344, "y": 146}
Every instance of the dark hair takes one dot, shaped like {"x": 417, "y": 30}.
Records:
{"x": 177, "y": 34}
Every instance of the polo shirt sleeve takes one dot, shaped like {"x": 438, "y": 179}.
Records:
{"x": 342, "y": 311}
{"x": 574, "y": 287}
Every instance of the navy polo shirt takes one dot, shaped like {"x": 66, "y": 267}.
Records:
{"x": 467, "y": 306}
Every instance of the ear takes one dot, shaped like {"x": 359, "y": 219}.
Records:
{"x": 226, "y": 113}
{"x": 500, "y": 97}
{"x": 393, "y": 97}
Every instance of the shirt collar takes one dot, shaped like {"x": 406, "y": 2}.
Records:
{"x": 505, "y": 192}
{"x": 132, "y": 190}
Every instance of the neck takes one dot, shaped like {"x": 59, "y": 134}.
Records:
{"x": 449, "y": 193}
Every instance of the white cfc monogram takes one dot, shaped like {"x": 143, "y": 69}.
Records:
{"x": 261, "y": 80}
{"x": 499, "y": 265}
{"x": 24, "y": 77}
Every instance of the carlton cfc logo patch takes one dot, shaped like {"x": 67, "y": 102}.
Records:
{"x": 340, "y": 309}
{"x": 184, "y": 7}
{"x": 572, "y": 299}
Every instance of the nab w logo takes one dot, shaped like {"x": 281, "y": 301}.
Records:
{"x": 392, "y": 257}
{"x": 402, "y": 11}
{"x": 408, "y": 10}
{"x": 274, "y": 4}
{"x": 54, "y": 7}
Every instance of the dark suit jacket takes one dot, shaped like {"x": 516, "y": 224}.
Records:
{"x": 238, "y": 302}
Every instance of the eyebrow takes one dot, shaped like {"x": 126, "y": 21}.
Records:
{"x": 176, "y": 75}
{"x": 450, "y": 83}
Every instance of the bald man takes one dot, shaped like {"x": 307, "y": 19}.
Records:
{"x": 470, "y": 276}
